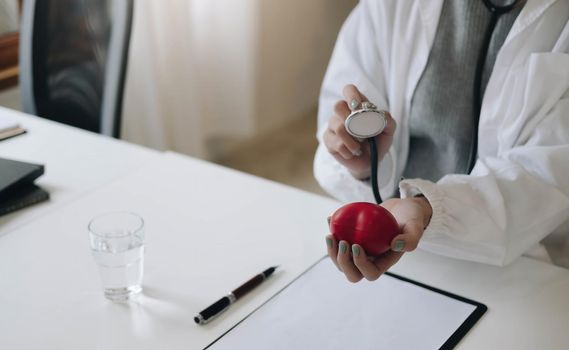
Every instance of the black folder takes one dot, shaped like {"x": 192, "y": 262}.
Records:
{"x": 17, "y": 188}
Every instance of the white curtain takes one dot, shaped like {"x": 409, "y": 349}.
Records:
{"x": 191, "y": 75}
{"x": 204, "y": 74}
{"x": 161, "y": 105}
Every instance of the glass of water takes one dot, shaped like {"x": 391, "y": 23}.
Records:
{"x": 117, "y": 244}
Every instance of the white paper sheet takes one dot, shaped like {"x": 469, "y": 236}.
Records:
{"x": 322, "y": 310}
{"x": 7, "y": 123}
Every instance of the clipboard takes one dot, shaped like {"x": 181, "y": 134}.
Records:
{"x": 320, "y": 309}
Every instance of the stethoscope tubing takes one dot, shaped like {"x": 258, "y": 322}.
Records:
{"x": 374, "y": 166}
{"x": 370, "y": 136}
{"x": 496, "y": 11}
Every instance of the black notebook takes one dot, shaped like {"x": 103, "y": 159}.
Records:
{"x": 17, "y": 188}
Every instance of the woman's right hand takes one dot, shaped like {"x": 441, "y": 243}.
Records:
{"x": 348, "y": 151}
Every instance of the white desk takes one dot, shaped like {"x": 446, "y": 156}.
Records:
{"x": 76, "y": 162}
{"x": 204, "y": 238}
{"x": 208, "y": 229}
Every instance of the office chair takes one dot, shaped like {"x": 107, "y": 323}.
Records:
{"x": 73, "y": 56}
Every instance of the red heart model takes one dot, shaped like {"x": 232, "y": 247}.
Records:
{"x": 367, "y": 224}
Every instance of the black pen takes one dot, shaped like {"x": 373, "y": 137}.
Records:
{"x": 222, "y": 304}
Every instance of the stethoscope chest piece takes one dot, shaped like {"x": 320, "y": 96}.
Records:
{"x": 366, "y": 123}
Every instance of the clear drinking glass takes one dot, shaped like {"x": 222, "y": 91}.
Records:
{"x": 117, "y": 244}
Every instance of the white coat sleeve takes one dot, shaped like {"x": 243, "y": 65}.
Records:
{"x": 513, "y": 200}
{"x": 355, "y": 60}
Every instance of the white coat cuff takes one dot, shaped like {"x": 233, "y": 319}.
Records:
{"x": 412, "y": 187}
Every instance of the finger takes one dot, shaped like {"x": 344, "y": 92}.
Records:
{"x": 353, "y": 96}
{"x": 407, "y": 241}
{"x": 391, "y": 125}
{"x": 332, "y": 248}
{"x": 366, "y": 267}
{"x": 338, "y": 127}
{"x": 342, "y": 110}
{"x": 335, "y": 146}
{"x": 347, "y": 264}
{"x": 342, "y": 150}
{"x": 384, "y": 140}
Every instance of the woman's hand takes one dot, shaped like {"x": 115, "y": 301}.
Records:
{"x": 348, "y": 151}
{"x": 412, "y": 214}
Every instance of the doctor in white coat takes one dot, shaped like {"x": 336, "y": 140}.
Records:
{"x": 515, "y": 198}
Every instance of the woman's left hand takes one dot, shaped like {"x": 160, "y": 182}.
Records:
{"x": 412, "y": 214}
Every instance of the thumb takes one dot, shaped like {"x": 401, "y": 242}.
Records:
{"x": 407, "y": 241}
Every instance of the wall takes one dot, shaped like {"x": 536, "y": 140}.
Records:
{"x": 262, "y": 63}
{"x": 296, "y": 41}
{"x": 10, "y": 98}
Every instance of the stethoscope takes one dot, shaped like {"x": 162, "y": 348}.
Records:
{"x": 368, "y": 122}
{"x": 496, "y": 11}
{"x": 365, "y": 124}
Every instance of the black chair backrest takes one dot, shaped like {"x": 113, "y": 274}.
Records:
{"x": 73, "y": 61}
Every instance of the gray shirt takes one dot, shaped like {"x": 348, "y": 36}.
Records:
{"x": 444, "y": 113}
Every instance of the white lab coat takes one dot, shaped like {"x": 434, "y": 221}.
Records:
{"x": 518, "y": 191}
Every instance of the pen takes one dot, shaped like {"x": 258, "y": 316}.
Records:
{"x": 222, "y": 304}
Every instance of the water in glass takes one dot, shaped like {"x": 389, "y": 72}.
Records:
{"x": 117, "y": 244}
